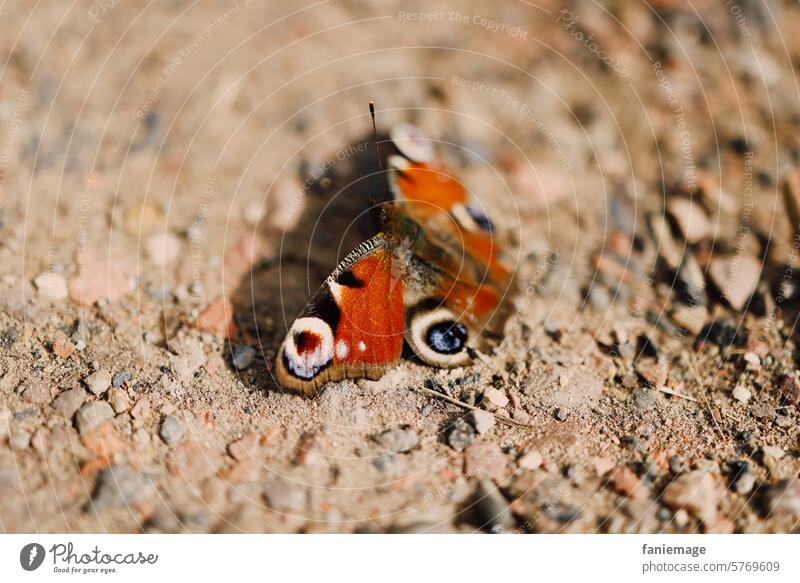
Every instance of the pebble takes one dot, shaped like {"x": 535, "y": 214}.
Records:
{"x": 244, "y": 448}
{"x": 752, "y": 360}
{"x": 120, "y": 487}
{"x": 790, "y": 390}
{"x": 171, "y": 430}
{"x": 189, "y": 357}
{"x": 653, "y": 372}
{"x": 644, "y": 398}
{"x": 51, "y": 286}
{"x": 37, "y": 392}
{"x": 690, "y": 318}
{"x": 483, "y": 459}
{"x": 92, "y": 415}
{"x": 561, "y": 414}
{"x": 696, "y": 492}
{"x": 745, "y": 483}
{"x": 398, "y": 440}
{"x": 121, "y": 378}
{"x": 530, "y": 460}
{"x": 99, "y": 381}
{"x": 163, "y": 248}
{"x": 104, "y": 442}
{"x": 98, "y": 280}
{"x": 119, "y": 400}
{"x": 19, "y": 439}
{"x": 193, "y": 461}
{"x": 243, "y": 357}
{"x": 285, "y": 496}
{"x": 217, "y": 319}
{"x": 68, "y": 402}
{"x": 308, "y": 450}
{"x": 461, "y": 435}
{"x": 141, "y": 410}
{"x": 482, "y": 420}
{"x": 690, "y": 218}
{"x": 773, "y": 451}
{"x": 668, "y": 248}
{"x": 39, "y": 440}
{"x": 783, "y": 498}
{"x": 496, "y": 397}
{"x": 602, "y": 465}
{"x": 742, "y": 394}
{"x": 762, "y": 411}
{"x": 736, "y": 277}
{"x": 144, "y": 218}
{"x": 626, "y": 482}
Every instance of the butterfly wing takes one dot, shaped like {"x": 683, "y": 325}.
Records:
{"x": 352, "y": 327}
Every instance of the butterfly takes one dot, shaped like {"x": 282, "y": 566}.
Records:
{"x": 432, "y": 279}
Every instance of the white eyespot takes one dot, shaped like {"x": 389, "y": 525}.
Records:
{"x": 471, "y": 218}
{"x": 412, "y": 142}
{"x": 438, "y": 338}
{"x": 361, "y": 346}
{"x": 308, "y": 347}
{"x": 342, "y": 350}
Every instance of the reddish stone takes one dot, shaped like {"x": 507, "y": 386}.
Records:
{"x": 217, "y": 319}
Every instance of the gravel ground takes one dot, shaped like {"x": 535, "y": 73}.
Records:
{"x": 176, "y": 181}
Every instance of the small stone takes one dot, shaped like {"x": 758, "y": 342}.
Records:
{"x": 121, "y": 378}
{"x": 99, "y": 381}
{"x": 19, "y": 439}
{"x": 142, "y": 219}
{"x": 398, "y": 440}
{"x": 217, "y": 319}
{"x": 307, "y": 452}
{"x": 63, "y": 348}
{"x": 603, "y": 465}
{"x": 104, "y": 442}
{"x": 39, "y": 440}
{"x": 690, "y": 318}
{"x": 741, "y": 394}
{"x": 690, "y": 218}
{"x": 68, "y": 402}
{"x": 782, "y": 499}
{"x": 790, "y": 390}
{"x": 461, "y": 434}
{"x": 773, "y": 451}
{"x": 561, "y": 414}
{"x": 37, "y": 392}
{"x": 119, "y": 399}
{"x": 696, "y": 492}
{"x": 246, "y": 447}
{"x": 530, "y": 460}
{"x": 189, "y": 357}
{"x": 243, "y": 357}
{"x": 243, "y": 472}
{"x": 141, "y": 410}
{"x": 736, "y": 278}
{"x": 626, "y": 482}
{"x": 93, "y": 415}
{"x": 644, "y": 398}
{"x": 193, "y": 461}
{"x": 745, "y": 483}
{"x": 163, "y": 248}
{"x": 99, "y": 279}
{"x": 681, "y": 518}
{"x": 482, "y": 420}
{"x": 51, "y": 286}
{"x": 720, "y": 526}
{"x": 283, "y": 495}
{"x": 652, "y": 372}
{"x": 496, "y": 397}
{"x": 120, "y": 487}
{"x": 171, "y": 430}
{"x": 483, "y": 459}
{"x": 763, "y": 411}
{"x": 752, "y": 360}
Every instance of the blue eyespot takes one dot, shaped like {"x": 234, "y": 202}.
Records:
{"x": 447, "y": 337}
{"x": 480, "y": 218}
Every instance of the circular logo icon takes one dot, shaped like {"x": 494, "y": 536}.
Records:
{"x": 31, "y": 556}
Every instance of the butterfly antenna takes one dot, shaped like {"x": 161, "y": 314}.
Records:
{"x": 375, "y": 134}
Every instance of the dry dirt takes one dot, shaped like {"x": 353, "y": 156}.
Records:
{"x": 174, "y": 174}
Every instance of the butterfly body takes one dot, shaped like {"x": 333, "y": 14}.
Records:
{"x": 431, "y": 279}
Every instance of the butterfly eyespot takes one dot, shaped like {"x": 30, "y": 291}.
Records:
{"x": 308, "y": 348}
{"x": 438, "y": 338}
{"x": 447, "y": 337}
{"x": 412, "y": 142}
{"x": 471, "y": 218}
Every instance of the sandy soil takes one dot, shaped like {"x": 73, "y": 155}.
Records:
{"x": 176, "y": 181}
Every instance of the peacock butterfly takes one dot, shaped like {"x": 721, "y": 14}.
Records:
{"x": 432, "y": 278}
